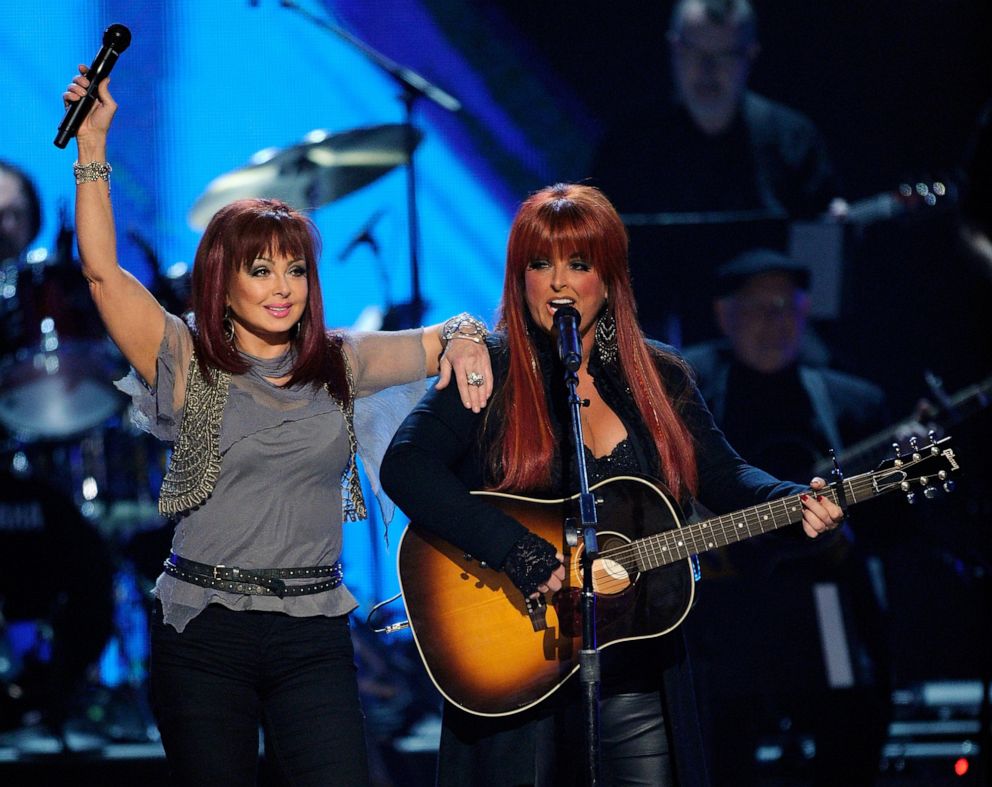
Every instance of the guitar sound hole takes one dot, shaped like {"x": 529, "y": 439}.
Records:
{"x": 610, "y": 573}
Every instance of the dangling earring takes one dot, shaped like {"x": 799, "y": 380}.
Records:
{"x": 228, "y": 324}
{"x": 606, "y": 336}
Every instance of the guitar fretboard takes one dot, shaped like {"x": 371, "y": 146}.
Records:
{"x": 681, "y": 543}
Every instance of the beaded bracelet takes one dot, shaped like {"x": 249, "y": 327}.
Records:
{"x": 463, "y": 326}
{"x": 95, "y": 170}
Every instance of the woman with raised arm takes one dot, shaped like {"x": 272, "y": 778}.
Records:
{"x": 642, "y": 416}
{"x": 251, "y": 622}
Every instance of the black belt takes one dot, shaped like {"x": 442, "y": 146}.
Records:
{"x": 254, "y": 581}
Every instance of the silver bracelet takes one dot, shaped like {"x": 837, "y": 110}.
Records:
{"x": 463, "y": 326}
{"x": 95, "y": 170}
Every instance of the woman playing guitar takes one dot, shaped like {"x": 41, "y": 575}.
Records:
{"x": 644, "y": 417}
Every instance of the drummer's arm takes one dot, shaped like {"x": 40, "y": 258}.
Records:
{"x": 131, "y": 315}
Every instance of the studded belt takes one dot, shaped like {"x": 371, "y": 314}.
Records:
{"x": 254, "y": 581}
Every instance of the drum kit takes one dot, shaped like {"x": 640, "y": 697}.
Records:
{"x": 72, "y": 467}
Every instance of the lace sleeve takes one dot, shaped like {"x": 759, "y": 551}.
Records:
{"x": 531, "y": 561}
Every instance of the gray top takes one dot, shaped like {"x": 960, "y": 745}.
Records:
{"x": 278, "y": 500}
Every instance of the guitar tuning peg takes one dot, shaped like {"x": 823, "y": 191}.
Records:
{"x": 930, "y": 492}
{"x": 911, "y": 497}
{"x": 913, "y": 443}
{"x": 949, "y": 485}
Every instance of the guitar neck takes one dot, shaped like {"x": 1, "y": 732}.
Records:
{"x": 684, "y": 542}
{"x": 963, "y": 404}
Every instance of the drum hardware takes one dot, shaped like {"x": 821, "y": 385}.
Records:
{"x": 320, "y": 169}
{"x": 56, "y": 591}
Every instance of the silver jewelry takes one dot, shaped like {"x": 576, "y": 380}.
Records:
{"x": 95, "y": 170}
{"x": 474, "y": 378}
{"x": 606, "y": 337}
{"x": 463, "y": 326}
{"x": 228, "y": 325}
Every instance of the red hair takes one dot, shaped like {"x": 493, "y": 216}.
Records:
{"x": 237, "y": 235}
{"x": 568, "y": 219}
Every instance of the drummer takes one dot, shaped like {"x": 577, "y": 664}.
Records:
{"x": 20, "y": 211}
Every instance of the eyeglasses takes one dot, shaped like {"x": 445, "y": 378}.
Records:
{"x": 724, "y": 59}
{"x": 769, "y": 308}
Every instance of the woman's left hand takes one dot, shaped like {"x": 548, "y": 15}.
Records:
{"x": 820, "y": 513}
{"x": 467, "y": 361}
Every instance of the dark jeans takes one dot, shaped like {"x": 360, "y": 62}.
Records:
{"x": 228, "y": 672}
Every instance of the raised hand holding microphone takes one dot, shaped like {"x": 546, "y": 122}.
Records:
{"x": 116, "y": 39}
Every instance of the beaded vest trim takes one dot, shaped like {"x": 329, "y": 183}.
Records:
{"x": 195, "y": 463}
{"x": 354, "y": 501}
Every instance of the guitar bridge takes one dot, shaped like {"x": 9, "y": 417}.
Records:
{"x": 537, "y": 611}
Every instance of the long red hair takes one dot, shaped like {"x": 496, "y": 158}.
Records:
{"x": 234, "y": 238}
{"x": 567, "y": 219}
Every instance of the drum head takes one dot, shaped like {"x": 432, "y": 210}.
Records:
{"x": 56, "y": 364}
{"x": 60, "y": 394}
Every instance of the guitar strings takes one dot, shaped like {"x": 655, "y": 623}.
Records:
{"x": 676, "y": 540}
{"x": 635, "y": 556}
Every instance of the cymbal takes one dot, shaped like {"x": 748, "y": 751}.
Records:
{"x": 320, "y": 169}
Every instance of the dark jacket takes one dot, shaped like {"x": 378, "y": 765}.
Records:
{"x": 440, "y": 453}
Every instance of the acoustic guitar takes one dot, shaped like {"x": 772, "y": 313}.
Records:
{"x": 492, "y": 652}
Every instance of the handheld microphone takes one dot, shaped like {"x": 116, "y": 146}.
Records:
{"x": 567, "y": 321}
{"x": 116, "y": 39}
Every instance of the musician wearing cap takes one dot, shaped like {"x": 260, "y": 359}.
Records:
{"x": 765, "y": 380}
{"x": 264, "y": 408}
{"x": 782, "y": 410}
{"x": 642, "y": 417}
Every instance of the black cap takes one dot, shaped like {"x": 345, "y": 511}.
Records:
{"x": 732, "y": 275}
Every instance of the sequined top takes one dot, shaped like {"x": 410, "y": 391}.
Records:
{"x": 619, "y": 461}
{"x": 277, "y": 500}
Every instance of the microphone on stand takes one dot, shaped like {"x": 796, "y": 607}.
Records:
{"x": 567, "y": 321}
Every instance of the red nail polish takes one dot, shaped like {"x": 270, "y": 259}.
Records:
{"x": 804, "y": 498}
{"x": 819, "y": 498}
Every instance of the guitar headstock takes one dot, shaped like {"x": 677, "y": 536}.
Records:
{"x": 910, "y": 197}
{"x": 925, "y": 469}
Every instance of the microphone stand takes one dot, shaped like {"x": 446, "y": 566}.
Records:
{"x": 414, "y": 86}
{"x": 589, "y": 674}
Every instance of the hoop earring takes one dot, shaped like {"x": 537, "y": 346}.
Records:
{"x": 606, "y": 337}
{"x": 228, "y": 324}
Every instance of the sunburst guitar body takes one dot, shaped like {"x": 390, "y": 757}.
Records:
{"x": 492, "y": 652}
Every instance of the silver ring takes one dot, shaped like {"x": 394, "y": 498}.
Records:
{"x": 474, "y": 378}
